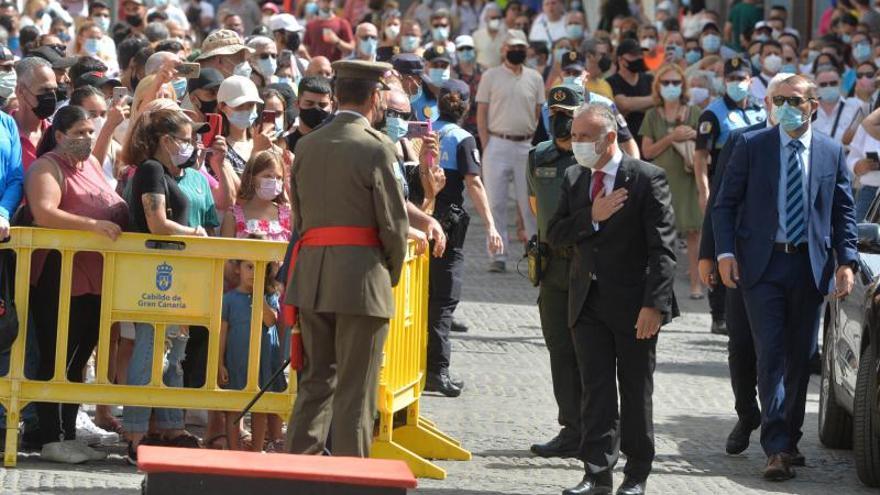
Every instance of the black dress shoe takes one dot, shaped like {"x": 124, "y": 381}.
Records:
{"x": 631, "y": 486}
{"x": 458, "y": 326}
{"x": 778, "y": 467}
{"x": 562, "y": 445}
{"x": 440, "y": 382}
{"x": 592, "y": 484}
{"x": 719, "y": 327}
{"x": 796, "y": 458}
{"x": 738, "y": 440}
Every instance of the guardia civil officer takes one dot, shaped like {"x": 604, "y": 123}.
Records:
{"x": 460, "y": 160}
{"x": 735, "y": 109}
{"x": 351, "y": 254}
{"x": 546, "y": 170}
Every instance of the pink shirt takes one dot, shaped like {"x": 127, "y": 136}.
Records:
{"x": 271, "y": 230}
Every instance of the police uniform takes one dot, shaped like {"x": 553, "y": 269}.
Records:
{"x": 350, "y": 255}
{"x": 546, "y": 171}
{"x": 722, "y": 116}
{"x": 459, "y": 157}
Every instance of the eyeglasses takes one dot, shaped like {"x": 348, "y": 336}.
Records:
{"x": 400, "y": 115}
{"x": 828, "y": 84}
{"x": 733, "y": 78}
{"x": 266, "y": 56}
{"x": 793, "y": 101}
{"x": 670, "y": 82}
{"x": 439, "y": 25}
{"x": 866, "y": 75}
{"x": 186, "y": 140}
{"x": 365, "y": 38}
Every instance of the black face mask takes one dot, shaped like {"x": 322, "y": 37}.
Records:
{"x": 637, "y": 65}
{"x": 293, "y": 41}
{"x": 62, "y": 92}
{"x": 516, "y": 57}
{"x": 191, "y": 161}
{"x": 604, "y": 63}
{"x": 561, "y": 126}
{"x": 208, "y": 106}
{"x": 134, "y": 20}
{"x": 313, "y": 117}
{"x": 46, "y": 104}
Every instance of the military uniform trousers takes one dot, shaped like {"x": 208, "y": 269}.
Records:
{"x": 741, "y": 357}
{"x": 553, "y": 308}
{"x": 444, "y": 292}
{"x": 609, "y": 356}
{"x": 339, "y": 383}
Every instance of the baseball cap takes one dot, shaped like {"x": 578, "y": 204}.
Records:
{"x": 270, "y": 6}
{"x": 95, "y": 79}
{"x": 208, "y": 79}
{"x": 516, "y": 37}
{"x": 53, "y": 57}
{"x": 386, "y": 53}
{"x": 222, "y": 42}
{"x": 737, "y": 64}
{"x": 572, "y": 61}
{"x": 438, "y": 53}
{"x": 456, "y": 86}
{"x": 238, "y": 90}
{"x": 284, "y": 22}
{"x": 710, "y": 26}
{"x": 566, "y": 97}
{"x": 408, "y": 64}
{"x": 629, "y": 46}
{"x": 464, "y": 41}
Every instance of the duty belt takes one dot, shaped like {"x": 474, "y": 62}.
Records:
{"x": 511, "y": 137}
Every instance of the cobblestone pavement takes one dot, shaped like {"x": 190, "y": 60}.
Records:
{"x": 507, "y": 405}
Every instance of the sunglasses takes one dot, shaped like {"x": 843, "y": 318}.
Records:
{"x": 828, "y": 84}
{"x": 400, "y": 115}
{"x": 671, "y": 83}
{"x": 793, "y": 101}
{"x": 865, "y": 75}
{"x": 266, "y": 56}
{"x": 365, "y": 38}
{"x": 440, "y": 25}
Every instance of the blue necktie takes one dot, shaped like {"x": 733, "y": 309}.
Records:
{"x": 795, "y": 225}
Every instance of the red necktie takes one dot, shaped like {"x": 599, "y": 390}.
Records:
{"x": 598, "y": 183}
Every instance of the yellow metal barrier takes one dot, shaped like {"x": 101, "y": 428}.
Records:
{"x": 179, "y": 280}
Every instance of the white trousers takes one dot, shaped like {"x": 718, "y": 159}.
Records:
{"x": 505, "y": 161}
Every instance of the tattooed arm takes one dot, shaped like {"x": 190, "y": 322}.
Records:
{"x": 158, "y": 221}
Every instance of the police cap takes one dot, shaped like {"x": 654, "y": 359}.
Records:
{"x": 566, "y": 97}
{"x": 456, "y": 86}
{"x": 572, "y": 61}
{"x": 408, "y": 64}
{"x": 361, "y": 69}
{"x": 737, "y": 65}
{"x": 438, "y": 53}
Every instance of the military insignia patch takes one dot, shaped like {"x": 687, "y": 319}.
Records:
{"x": 427, "y": 112}
{"x": 439, "y": 50}
{"x": 559, "y": 95}
{"x": 734, "y": 62}
{"x": 705, "y": 128}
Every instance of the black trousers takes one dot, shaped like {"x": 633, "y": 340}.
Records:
{"x": 553, "y": 308}
{"x": 717, "y": 299}
{"x": 444, "y": 292}
{"x": 85, "y": 316}
{"x": 195, "y": 364}
{"x": 610, "y": 357}
{"x": 741, "y": 358}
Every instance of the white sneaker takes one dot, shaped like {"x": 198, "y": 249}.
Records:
{"x": 63, "y": 452}
{"x": 88, "y": 433}
{"x": 90, "y": 453}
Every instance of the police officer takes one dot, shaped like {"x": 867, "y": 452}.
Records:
{"x": 437, "y": 71}
{"x": 546, "y": 170}
{"x": 735, "y": 109}
{"x": 351, "y": 255}
{"x": 460, "y": 160}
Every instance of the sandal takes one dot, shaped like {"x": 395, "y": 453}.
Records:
{"x": 111, "y": 424}
{"x": 185, "y": 440}
{"x": 276, "y": 446}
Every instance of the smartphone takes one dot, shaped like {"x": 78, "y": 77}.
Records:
{"x": 120, "y": 93}
{"x": 189, "y": 70}
{"x": 418, "y": 130}
{"x": 872, "y": 155}
{"x": 269, "y": 117}
{"x": 214, "y": 122}
{"x": 285, "y": 59}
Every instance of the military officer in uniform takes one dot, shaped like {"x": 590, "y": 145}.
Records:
{"x": 735, "y": 109}
{"x": 350, "y": 255}
{"x": 546, "y": 170}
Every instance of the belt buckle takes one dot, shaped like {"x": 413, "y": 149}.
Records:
{"x": 790, "y": 248}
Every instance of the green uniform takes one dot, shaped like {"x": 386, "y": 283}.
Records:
{"x": 546, "y": 170}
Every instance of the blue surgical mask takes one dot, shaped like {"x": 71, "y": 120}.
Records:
{"x": 846, "y": 38}
{"x": 559, "y": 53}
{"x": 466, "y": 55}
{"x": 159, "y": 4}
{"x": 812, "y": 55}
{"x": 762, "y": 38}
{"x": 692, "y": 57}
{"x": 440, "y": 33}
{"x": 267, "y": 67}
{"x": 574, "y": 31}
{"x": 103, "y": 23}
{"x": 789, "y": 118}
{"x": 789, "y": 69}
{"x": 756, "y": 62}
{"x": 285, "y": 80}
{"x": 711, "y": 43}
{"x": 409, "y": 44}
{"x": 670, "y": 93}
{"x": 243, "y": 119}
{"x": 243, "y": 69}
{"x": 368, "y": 46}
{"x": 396, "y": 128}
{"x": 92, "y": 45}
{"x": 438, "y": 76}
{"x": 829, "y": 94}
{"x": 674, "y": 52}
{"x": 13, "y": 43}
{"x": 415, "y": 97}
{"x": 310, "y": 9}
{"x": 737, "y": 90}
{"x": 179, "y": 88}
{"x": 862, "y": 52}
{"x": 577, "y": 81}
{"x": 325, "y": 13}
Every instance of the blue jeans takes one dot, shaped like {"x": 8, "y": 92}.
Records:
{"x": 137, "y": 419}
{"x": 31, "y": 362}
{"x": 864, "y": 197}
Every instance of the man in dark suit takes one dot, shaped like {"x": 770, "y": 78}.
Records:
{"x": 740, "y": 347}
{"x": 785, "y": 205}
{"x": 615, "y": 213}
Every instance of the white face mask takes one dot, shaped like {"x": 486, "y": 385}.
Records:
{"x": 269, "y": 189}
{"x": 98, "y": 123}
{"x": 772, "y": 63}
{"x": 243, "y": 69}
{"x": 586, "y": 153}
{"x": 698, "y": 95}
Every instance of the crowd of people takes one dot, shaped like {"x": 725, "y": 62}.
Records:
{"x": 193, "y": 117}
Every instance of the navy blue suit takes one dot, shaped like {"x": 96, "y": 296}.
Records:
{"x": 741, "y": 358}
{"x": 783, "y": 292}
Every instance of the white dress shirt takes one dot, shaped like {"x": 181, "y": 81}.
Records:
{"x": 824, "y": 123}
{"x": 610, "y": 170}
{"x": 861, "y": 144}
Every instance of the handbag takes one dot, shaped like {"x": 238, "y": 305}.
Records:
{"x": 8, "y": 313}
{"x": 686, "y": 149}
